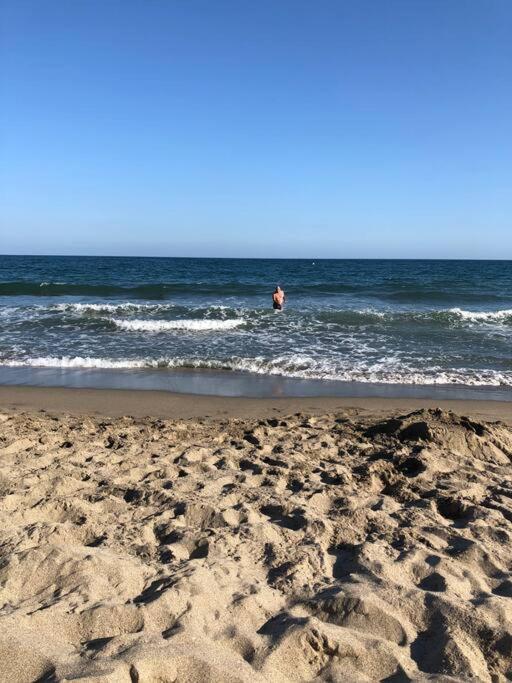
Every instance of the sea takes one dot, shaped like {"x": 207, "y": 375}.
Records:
{"x": 349, "y": 327}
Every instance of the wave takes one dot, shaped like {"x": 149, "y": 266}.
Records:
{"x": 151, "y": 291}
{"x": 386, "y": 371}
{"x": 110, "y": 308}
{"x": 133, "y": 307}
{"x": 167, "y": 325}
{"x": 203, "y": 317}
{"x": 385, "y": 291}
{"x": 142, "y": 291}
{"x": 483, "y": 316}
{"x": 438, "y": 316}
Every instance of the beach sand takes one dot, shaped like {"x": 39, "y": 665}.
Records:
{"x": 253, "y": 540}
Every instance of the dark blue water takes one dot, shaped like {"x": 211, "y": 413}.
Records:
{"x": 390, "y": 322}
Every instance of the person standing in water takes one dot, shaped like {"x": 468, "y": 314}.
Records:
{"x": 278, "y": 299}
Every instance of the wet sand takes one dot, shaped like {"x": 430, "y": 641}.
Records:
{"x": 140, "y": 403}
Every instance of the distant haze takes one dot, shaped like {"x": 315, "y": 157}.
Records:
{"x": 277, "y": 129}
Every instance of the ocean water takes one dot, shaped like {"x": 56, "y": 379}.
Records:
{"x": 379, "y": 322}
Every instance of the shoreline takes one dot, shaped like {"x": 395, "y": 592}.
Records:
{"x": 208, "y": 382}
{"x": 144, "y": 402}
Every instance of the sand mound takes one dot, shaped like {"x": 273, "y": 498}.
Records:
{"x": 336, "y": 548}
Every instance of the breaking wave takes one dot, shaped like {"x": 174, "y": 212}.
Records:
{"x": 169, "y": 325}
{"x": 346, "y": 316}
{"x": 445, "y": 323}
{"x": 386, "y": 371}
{"x": 128, "y": 306}
{"x": 504, "y": 316}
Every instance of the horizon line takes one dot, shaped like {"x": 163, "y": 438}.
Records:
{"x": 262, "y": 258}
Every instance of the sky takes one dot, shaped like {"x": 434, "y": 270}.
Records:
{"x": 350, "y": 129}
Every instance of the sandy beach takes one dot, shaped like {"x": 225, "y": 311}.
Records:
{"x": 253, "y": 540}
{"x": 255, "y": 342}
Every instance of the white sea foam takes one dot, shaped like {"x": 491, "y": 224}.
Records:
{"x": 110, "y": 308}
{"x": 387, "y": 370}
{"x": 448, "y": 315}
{"x": 166, "y": 325}
{"x": 6, "y": 311}
{"x": 74, "y": 362}
{"x": 482, "y": 316}
{"x": 129, "y": 306}
{"x": 452, "y": 316}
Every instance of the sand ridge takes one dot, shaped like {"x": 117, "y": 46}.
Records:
{"x": 336, "y": 547}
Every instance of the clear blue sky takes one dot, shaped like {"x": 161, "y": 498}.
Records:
{"x": 257, "y": 128}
